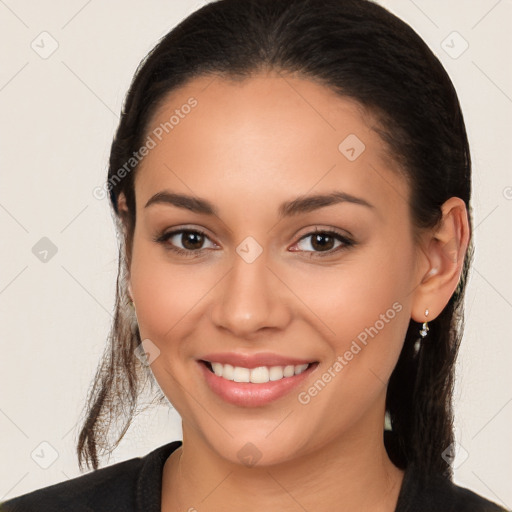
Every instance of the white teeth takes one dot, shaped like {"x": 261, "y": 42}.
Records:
{"x": 228, "y": 371}
{"x": 289, "y": 371}
{"x": 217, "y": 369}
{"x": 241, "y": 374}
{"x": 259, "y": 375}
{"x": 276, "y": 373}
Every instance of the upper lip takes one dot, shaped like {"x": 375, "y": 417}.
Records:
{"x": 253, "y": 360}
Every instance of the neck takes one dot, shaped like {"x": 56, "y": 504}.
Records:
{"x": 353, "y": 473}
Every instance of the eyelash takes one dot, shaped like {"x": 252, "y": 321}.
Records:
{"x": 162, "y": 239}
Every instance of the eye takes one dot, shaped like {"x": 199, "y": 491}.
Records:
{"x": 318, "y": 243}
{"x": 323, "y": 242}
{"x": 191, "y": 241}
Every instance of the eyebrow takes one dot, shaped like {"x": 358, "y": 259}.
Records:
{"x": 302, "y": 204}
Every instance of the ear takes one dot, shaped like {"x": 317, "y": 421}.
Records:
{"x": 441, "y": 262}
{"x": 122, "y": 206}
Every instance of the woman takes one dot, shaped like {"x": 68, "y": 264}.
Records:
{"x": 291, "y": 183}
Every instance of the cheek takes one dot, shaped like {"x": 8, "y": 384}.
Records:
{"x": 363, "y": 307}
{"x": 169, "y": 298}
{"x": 163, "y": 297}
{"x": 366, "y": 306}
{"x": 364, "y": 291}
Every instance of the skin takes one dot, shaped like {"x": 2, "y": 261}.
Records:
{"x": 247, "y": 147}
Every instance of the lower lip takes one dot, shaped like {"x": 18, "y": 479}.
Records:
{"x": 247, "y": 394}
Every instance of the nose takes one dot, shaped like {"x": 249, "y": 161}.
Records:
{"x": 250, "y": 299}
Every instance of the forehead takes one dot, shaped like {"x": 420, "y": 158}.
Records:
{"x": 265, "y": 136}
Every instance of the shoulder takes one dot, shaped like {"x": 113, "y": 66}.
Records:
{"x": 466, "y": 500}
{"x": 112, "y": 488}
{"x": 440, "y": 494}
{"x": 112, "y": 485}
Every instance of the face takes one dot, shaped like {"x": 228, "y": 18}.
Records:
{"x": 255, "y": 275}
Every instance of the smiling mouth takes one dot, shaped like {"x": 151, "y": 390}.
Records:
{"x": 258, "y": 375}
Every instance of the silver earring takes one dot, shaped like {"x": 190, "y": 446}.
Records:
{"x": 424, "y": 328}
{"x": 423, "y": 334}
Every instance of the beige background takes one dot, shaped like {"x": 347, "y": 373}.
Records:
{"x": 58, "y": 115}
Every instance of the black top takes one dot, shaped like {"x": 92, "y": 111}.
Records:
{"x": 135, "y": 485}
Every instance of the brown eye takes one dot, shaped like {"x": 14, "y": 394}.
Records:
{"x": 322, "y": 242}
{"x": 327, "y": 242}
{"x": 191, "y": 241}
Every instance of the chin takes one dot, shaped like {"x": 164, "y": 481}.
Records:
{"x": 257, "y": 451}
